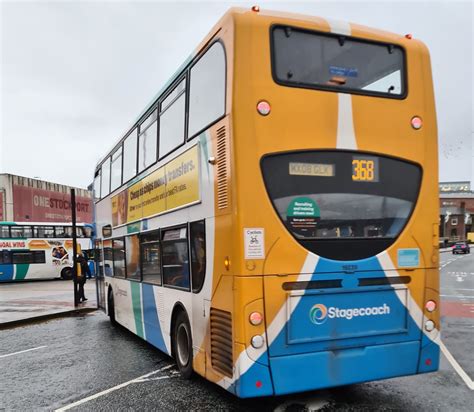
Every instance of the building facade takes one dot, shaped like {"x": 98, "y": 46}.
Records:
{"x": 24, "y": 199}
{"x": 456, "y": 211}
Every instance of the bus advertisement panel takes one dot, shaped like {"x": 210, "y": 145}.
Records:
{"x": 174, "y": 185}
{"x": 302, "y": 253}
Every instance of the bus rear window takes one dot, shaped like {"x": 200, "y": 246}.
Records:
{"x": 342, "y": 205}
{"x": 325, "y": 61}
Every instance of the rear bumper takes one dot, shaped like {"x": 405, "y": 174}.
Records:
{"x": 297, "y": 373}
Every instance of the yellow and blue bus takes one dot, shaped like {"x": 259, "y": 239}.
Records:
{"x": 271, "y": 219}
{"x": 33, "y": 250}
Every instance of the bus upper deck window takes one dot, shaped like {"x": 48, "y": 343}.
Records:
{"x": 16, "y": 231}
{"x": 4, "y": 231}
{"x": 60, "y": 231}
{"x": 303, "y": 58}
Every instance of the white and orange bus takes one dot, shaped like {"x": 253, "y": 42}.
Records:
{"x": 33, "y": 250}
{"x": 271, "y": 220}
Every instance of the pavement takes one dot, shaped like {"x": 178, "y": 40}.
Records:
{"x": 83, "y": 363}
{"x": 34, "y": 300}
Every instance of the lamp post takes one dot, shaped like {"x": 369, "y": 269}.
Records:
{"x": 74, "y": 247}
{"x": 446, "y": 220}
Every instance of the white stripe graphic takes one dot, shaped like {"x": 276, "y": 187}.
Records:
{"x": 339, "y": 27}
{"x": 283, "y": 315}
{"x": 244, "y": 363}
{"x": 345, "y": 123}
{"x": 415, "y": 311}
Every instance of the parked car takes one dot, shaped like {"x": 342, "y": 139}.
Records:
{"x": 461, "y": 247}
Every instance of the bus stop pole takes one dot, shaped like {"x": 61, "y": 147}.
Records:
{"x": 74, "y": 247}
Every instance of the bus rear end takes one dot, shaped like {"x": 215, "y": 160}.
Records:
{"x": 336, "y": 175}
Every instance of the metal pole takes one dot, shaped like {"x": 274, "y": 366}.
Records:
{"x": 74, "y": 246}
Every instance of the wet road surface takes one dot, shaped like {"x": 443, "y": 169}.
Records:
{"x": 86, "y": 359}
{"x": 457, "y": 309}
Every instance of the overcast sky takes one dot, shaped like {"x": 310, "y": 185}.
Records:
{"x": 75, "y": 74}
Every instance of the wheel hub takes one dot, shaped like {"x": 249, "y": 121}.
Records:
{"x": 182, "y": 340}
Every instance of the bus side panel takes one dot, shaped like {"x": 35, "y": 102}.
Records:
{"x": 146, "y": 310}
{"x": 6, "y": 272}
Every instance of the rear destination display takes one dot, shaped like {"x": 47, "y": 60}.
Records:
{"x": 311, "y": 169}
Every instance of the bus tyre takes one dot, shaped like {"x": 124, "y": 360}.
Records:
{"x": 66, "y": 273}
{"x": 183, "y": 345}
{"x": 111, "y": 307}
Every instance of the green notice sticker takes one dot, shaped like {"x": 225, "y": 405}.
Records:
{"x": 303, "y": 207}
{"x": 302, "y": 216}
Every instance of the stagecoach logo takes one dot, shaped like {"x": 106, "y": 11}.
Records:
{"x": 319, "y": 313}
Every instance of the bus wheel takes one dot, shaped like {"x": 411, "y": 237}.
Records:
{"x": 66, "y": 273}
{"x": 183, "y": 345}
{"x": 111, "y": 307}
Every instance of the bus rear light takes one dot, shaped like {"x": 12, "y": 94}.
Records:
{"x": 408, "y": 36}
{"x": 416, "y": 122}
{"x": 256, "y": 8}
{"x": 263, "y": 107}
{"x": 256, "y": 318}
{"x": 258, "y": 384}
{"x": 430, "y": 306}
{"x": 257, "y": 341}
{"x": 429, "y": 325}
{"x": 428, "y": 362}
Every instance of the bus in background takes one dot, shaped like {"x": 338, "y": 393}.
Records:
{"x": 39, "y": 250}
{"x": 271, "y": 219}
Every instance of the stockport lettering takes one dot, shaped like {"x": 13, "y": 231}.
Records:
{"x": 61, "y": 204}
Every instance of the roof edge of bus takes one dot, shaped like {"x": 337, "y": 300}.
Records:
{"x": 362, "y": 30}
{"x": 246, "y": 13}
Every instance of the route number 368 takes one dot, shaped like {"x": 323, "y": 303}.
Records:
{"x": 363, "y": 170}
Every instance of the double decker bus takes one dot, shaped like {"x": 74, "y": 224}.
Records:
{"x": 271, "y": 219}
{"x": 30, "y": 250}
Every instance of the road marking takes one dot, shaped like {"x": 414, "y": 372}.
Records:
{"x": 463, "y": 289}
{"x": 460, "y": 371}
{"x": 113, "y": 389}
{"x": 22, "y": 351}
{"x": 457, "y": 296}
{"x": 159, "y": 378}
